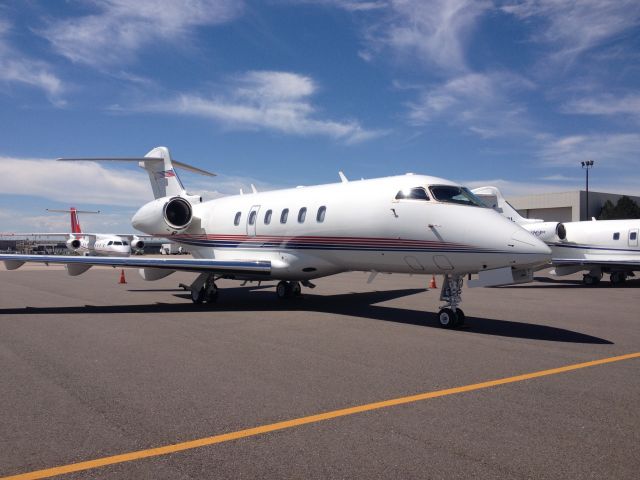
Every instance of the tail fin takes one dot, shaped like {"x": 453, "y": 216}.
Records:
{"x": 493, "y": 198}
{"x": 160, "y": 168}
{"x": 75, "y": 223}
{"x": 164, "y": 179}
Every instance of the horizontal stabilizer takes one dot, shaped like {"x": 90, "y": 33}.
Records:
{"x": 175, "y": 163}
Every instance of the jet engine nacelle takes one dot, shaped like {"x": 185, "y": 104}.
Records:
{"x": 548, "y": 232}
{"x": 73, "y": 244}
{"x": 137, "y": 243}
{"x": 166, "y": 214}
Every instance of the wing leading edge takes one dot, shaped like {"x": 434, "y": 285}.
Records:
{"x": 223, "y": 267}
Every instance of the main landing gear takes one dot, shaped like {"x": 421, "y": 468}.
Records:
{"x": 450, "y": 316}
{"x": 288, "y": 289}
{"x": 616, "y": 278}
{"x": 592, "y": 278}
{"x": 203, "y": 289}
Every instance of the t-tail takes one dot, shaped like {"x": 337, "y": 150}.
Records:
{"x": 493, "y": 198}
{"x": 75, "y": 222}
{"x": 161, "y": 170}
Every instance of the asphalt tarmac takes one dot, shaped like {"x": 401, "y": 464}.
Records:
{"x": 90, "y": 368}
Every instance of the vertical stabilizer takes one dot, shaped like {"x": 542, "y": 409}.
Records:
{"x": 75, "y": 223}
{"x": 164, "y": 179}
{"x": 492, "y": 197}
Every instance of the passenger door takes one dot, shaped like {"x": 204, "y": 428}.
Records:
{"x": 252, "y": 221}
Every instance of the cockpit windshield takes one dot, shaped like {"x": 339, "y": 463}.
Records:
{"x": 453, "y": 194}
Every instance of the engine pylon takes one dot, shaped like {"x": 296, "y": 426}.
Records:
{"x": 122, "y": 277}
{"x": 432, "y": 283}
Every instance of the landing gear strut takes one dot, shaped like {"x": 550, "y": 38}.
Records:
{"x": 204, "y": 289}
{"x": 450, "y": 316}
{"x": 288, "y": 289}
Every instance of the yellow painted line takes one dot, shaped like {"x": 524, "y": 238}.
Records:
{"x": 296, "y": 422}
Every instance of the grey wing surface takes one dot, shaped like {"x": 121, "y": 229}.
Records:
{"x": 611, "y": 262}
{"x": 223, "y": 267}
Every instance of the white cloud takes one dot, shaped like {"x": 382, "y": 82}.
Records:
{"x": 349, "y": 5}
{"x": 120, "y": 28}
{"x": 88, "y": 183}
{"x": 479, "y": 102}
{"x": 607, "y": 104}
{"x": 619, "y": 149}
{"x": 15, "y": 67}
{"x": 277, "y": 101}
{"x": 433, "y": 31}
{"x": 575, "y": 27}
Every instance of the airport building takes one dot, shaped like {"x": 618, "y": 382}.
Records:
{"x": 564, "y": 206}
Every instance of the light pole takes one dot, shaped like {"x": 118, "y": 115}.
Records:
{"x": 587, "y": 165}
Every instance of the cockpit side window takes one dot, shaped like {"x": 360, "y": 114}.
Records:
{"x": 454, "y": 194}
{"x": 417, "y": 193}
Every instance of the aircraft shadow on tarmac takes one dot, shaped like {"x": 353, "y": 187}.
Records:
{"x": 363, "y": 305}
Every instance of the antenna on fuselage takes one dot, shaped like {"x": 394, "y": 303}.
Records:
{"x": 253, "y": 188}
{"x": 343, "y": 178}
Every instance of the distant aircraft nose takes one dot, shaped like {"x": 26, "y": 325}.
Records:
{"x": 528, "y": 250}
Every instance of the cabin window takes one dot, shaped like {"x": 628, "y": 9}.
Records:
{"x": 110, "y": 242}
{"x": 454, "y": 194}
{"x": 284, "y": 215}
{"x": 417, "y": 193}
{"x": 633, "y": 235}
{"x": 302, "y": 214}
{"x": 252, "y": 217}
{"x": 236, "y": 221}
{"x": 267, "y": 217}
{"x": 616, "y": 236}
{"x": 321, "y": 213}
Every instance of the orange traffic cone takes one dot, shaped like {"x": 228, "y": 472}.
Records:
{"x": 432, "y": 283}
{"x": 122, "y": 279}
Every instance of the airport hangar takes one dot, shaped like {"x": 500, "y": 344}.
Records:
{"x": 564, "y": 206}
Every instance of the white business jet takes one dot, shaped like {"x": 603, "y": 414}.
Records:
{"x": 96, "y": 244}
{"x": 404, "y": 224}
{"x": 602, "y": 246}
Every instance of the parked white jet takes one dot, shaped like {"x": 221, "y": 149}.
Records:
{"x": 404, "y": 224}
{"x": 603, "y": 246}
{"x": 97, "y": 244}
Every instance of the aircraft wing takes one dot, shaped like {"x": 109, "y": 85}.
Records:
{"x": 624, "y": 262}
{"x": 81, "y": 264}
{"x": 37, "y": 234}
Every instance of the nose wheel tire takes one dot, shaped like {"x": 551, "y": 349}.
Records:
{"x": 447, "y": 318}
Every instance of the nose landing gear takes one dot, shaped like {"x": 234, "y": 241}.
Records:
{"x": 450, "y": 316}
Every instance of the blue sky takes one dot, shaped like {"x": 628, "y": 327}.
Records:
{"x": 288, "y": 92}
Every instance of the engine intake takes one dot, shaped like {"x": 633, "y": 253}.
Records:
{"x": 178, "y": 213}
{"x": 163, "y": 215}
{"x": 73, "y": 244}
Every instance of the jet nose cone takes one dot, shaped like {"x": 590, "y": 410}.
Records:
{"x": 530, "y": 250}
